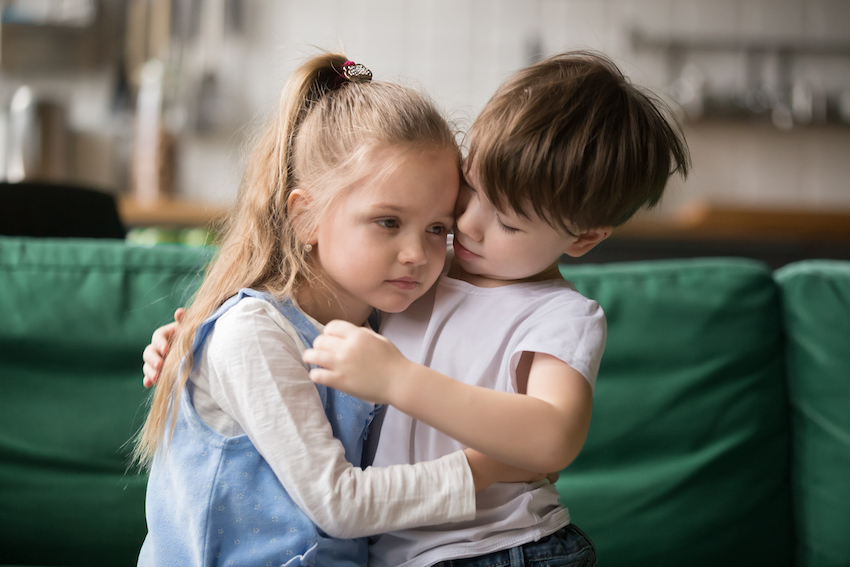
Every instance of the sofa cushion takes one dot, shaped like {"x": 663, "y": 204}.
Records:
{"x": 816, "y": 307}
{"x": 687, "y": 458}
{"x": 76, "y": 315}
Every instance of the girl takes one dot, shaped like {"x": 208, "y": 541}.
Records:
{"x": 344, "y": 208}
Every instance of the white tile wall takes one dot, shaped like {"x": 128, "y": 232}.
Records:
{"x": 827, "y": 19}
{"x": 460, "y": 50}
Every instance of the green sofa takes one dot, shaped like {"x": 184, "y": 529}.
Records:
{"x": 721, "y": 431}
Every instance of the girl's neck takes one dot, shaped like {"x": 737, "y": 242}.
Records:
{"x": 323, "y": 304}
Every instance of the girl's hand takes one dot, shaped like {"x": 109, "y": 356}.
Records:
{"x": 154, "y": 354}
{"x": 357, "y": 361}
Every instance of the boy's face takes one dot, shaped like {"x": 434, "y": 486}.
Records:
{"x": 503, "y": 247}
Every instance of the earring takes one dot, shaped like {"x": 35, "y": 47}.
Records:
{"x": 308, "y": 248}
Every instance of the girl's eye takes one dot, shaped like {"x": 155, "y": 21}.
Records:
{"x": 508, "y": 229}
{"x": 438, "y": 230}
{"x": 388, "y": 223}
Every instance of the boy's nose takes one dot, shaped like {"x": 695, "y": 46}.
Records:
{"x": 467, "y": 223}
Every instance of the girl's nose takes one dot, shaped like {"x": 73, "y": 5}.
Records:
{"x": 413, "y": 252}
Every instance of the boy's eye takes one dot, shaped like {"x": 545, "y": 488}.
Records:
{"x": 438, "y": 229}
{"x": 508, "y": 229}
{"x": 388, "y": 223}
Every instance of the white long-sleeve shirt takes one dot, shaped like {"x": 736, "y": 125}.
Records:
{"x": 250, "y": 379}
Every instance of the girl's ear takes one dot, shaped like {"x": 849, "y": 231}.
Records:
{"x": 297, "y": 208}
{"x": 587, "y": 239}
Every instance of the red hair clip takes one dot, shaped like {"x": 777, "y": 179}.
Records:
{"x": 353, "y": 72}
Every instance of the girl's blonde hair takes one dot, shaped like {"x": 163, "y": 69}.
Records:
{"x": 315, "y": 142}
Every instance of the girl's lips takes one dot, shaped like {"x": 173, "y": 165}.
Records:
{"x": 462, "y": 252}
{"x": 404, "y": 283}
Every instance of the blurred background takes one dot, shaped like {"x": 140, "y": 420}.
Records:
{"x": 153, "y": 101}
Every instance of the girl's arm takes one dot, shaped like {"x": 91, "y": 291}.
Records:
{"x": 255, "y": 375}
{"x": 542, "y": 430}
{"x": 485, "y": 470}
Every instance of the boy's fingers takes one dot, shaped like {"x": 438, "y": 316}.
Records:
{"x": 161, "y": 338}
{"x": 309, "y": 355}
{"x": 150, "y": 355}
{"x": 159, "y": 343}
{"x": 151, "y": 375}
{"x": 328, "y": 343}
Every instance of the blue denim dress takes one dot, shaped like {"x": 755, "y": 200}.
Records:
{"x": 214, "y": 500}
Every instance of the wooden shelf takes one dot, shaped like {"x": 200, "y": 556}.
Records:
{"x": 169, "y": 212}
{"x": 699, "y": 222}
{"x": 711, "y": 222}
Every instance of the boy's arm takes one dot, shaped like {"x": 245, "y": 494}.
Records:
{"x": 542, "y": 430}
{"x": 487, "y": 471}
{"x": 154, "y": 353}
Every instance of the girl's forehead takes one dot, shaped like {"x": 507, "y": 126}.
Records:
{"x": 418, "y": 180}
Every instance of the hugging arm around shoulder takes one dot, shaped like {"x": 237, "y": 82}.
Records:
{"x": 254, "y": 373}
{"x": 542, "y": 431}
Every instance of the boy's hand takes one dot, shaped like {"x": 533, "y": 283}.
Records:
{"x": 154, "y": 354}
{"x": 357, "y": 361}
{"x": 487, "y": 471}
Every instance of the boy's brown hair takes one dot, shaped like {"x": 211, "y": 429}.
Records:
{"x": 571, "y": 138}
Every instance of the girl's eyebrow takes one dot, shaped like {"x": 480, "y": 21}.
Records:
{"x": 449, "y": 216}
{"x": 389, "y": 207}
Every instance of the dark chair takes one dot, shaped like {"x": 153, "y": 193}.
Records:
{"x": 55, "y": 210}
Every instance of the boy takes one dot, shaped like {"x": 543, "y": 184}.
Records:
{"x": 564, "y": 151}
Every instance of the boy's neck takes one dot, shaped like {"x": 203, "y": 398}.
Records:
{"x": 457, "y": 272}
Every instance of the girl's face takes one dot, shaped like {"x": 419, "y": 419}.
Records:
{"x": 383, "y": 244}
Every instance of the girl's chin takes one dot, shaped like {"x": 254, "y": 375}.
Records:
{"x": 395, "y": 305}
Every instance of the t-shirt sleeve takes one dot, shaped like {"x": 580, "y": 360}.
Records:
{"x": 256, "y": 375}
{"x": 572, "y": 329}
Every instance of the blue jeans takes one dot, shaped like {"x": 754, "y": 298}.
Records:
{"x": 568, "y": 547}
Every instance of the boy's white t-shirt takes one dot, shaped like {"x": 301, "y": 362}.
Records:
{"x": 477, "y": 335}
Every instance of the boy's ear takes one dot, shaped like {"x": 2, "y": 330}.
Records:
{"x": 587, "y": 240}
{"x": 297, "y": 206}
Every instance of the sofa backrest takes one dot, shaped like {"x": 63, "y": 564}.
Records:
{"x": 687, "y": 461}
{"x": 687, "y": 458}
{"x": 816, "y": 311}
{"x": 74, "y": 318}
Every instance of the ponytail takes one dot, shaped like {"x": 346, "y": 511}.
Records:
{"x": 259, "y": 249}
